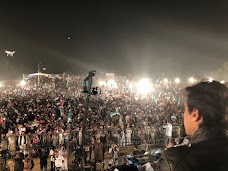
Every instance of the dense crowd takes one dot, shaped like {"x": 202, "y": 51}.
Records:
{"x": 47, "y": 120}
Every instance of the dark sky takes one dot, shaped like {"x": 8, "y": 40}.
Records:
{"x": 178, "y": 39}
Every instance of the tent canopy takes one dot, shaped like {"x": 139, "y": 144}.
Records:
{"x": 27, "y": 76}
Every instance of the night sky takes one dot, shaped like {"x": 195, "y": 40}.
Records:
{"x": 177, "y": 39}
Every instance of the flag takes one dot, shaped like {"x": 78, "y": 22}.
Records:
{"x": 69, "y": 117}
{"x": 114, "y": 114}
{"x": 59, "y": 76}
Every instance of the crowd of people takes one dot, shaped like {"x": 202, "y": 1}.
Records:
{"x": 48, "y": 120}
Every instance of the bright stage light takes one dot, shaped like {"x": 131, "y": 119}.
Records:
{"x": 166, "y": 80}
{"x": 222, "y": 82}
{"x": 144, "y": 86}
{"x": 22, "y": 83}
{"x": 102, "y": 83}
{"x": 130, "y": 86}
{"x": 112, "y": 83}
{"x": 191, "y": 80}
{"x": 210, "y": 79}
{"x": 177, "y": 80}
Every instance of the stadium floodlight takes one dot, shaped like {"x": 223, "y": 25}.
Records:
{"x": 22, "y": 83}
{"x": 166, "y": 80}
{"x": 102, "y": 83}
{"x": 222, "y": 82}
{"x": 191, "y": 80}
{"x": 177, "y": 80}
{"x": 144, "y": 86}
{"x": 210, "y": 79}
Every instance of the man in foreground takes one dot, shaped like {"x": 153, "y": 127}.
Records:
{"x": 205, "y": 120}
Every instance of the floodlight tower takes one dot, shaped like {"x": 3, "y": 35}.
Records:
{"x": 38, "y": 76}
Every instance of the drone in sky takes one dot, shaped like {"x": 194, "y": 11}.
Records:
{"x": 9, "y": 53}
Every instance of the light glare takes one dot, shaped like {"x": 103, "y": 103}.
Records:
{"x": 166, "y": 80}
{"x": 112, "y": 83}
{"x": 144, "y": 86}
{"x": 210, "y": 79}
{"x": 102, "y": 83}
{"x": 191, "y": 80}
{"x": 177, "y": 80}
{"x": 22, "y": 83}
{"x": 130, "y": 86}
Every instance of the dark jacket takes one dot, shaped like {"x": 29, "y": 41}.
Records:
{"x": 203, "y": 153}
{"x": 18, "y": 162}
{"x": 43, "y": 159}
{"x": 98, "y": 153}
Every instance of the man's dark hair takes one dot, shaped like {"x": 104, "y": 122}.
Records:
{"x": 211, "y": 99}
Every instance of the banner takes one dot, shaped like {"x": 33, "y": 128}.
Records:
{"x": 59, "y": 76}
{"x": 114, "y": 114}
{"x": 25, "y": 77}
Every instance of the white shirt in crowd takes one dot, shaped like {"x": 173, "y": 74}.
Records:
{"x": 21, "y": 140}
{"x": 128, "y": 132}
{"x": 80, "y": 137}
{"x": 22, "y": 129}
{"x": 168, "y": 129}
{"x": 59, "y": 161}
{"x": 147, "y": 130}
{"x": 52, "y": 154}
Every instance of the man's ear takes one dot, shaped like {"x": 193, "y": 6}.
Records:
{"x": 196, "y": 117}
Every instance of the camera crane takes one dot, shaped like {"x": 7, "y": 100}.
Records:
{"x": 88, "y": 90}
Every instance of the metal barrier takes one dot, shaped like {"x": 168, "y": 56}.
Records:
{"x": 132, "y": 142}
{"x": 35, "y": 142}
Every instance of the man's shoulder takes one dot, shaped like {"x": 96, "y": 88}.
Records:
{"x": 198, "y": 155}
{"x": 171, "y": 157}
{"x": 176, "y": 151}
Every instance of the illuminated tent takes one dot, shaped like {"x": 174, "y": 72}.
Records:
{"x": 27, "y": 76}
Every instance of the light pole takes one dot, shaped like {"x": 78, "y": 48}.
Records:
{"x": 38, "y": 71}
